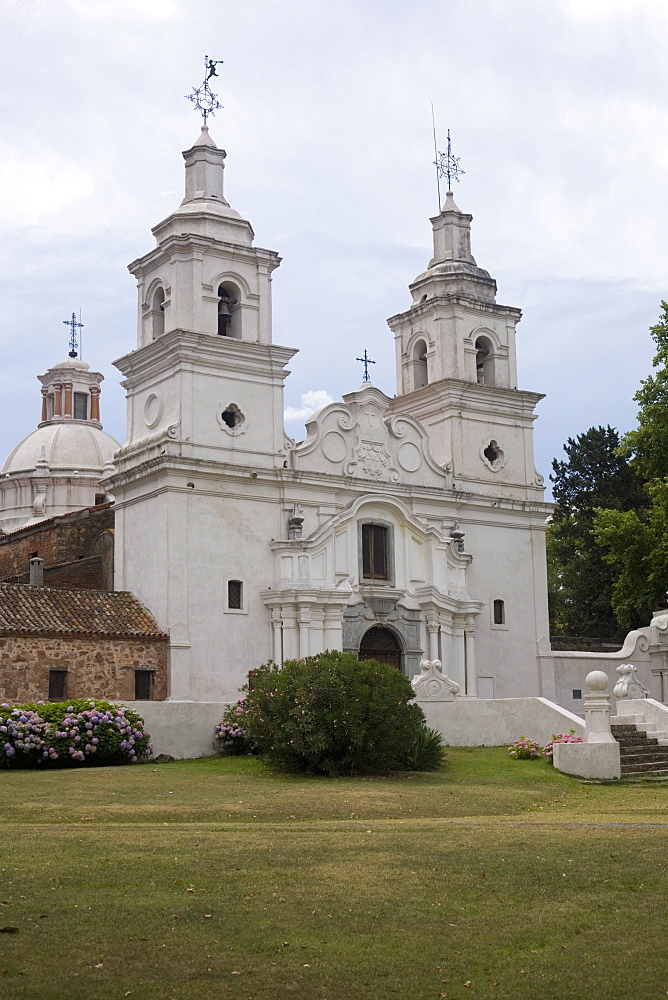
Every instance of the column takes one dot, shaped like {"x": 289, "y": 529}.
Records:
{"x": 446, "y": 650}
{"x": 290, "y": 636}
{"x": 68, "y": 399}
{"x": 277, "y": 635}
{"x": 56, "y": 398}
{"x": 304, "y": 628}
{"x": 432, "y": 630}
{"x": 471, "y": 672}
{"x": 458, "y": 668}
{"x": 95, "y": 402}
{"x": 317, "y": 633}
{"x": 44, "y": 414}
{"x": 333, "y": 628}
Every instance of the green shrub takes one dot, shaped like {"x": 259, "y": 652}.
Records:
{"x": 71, "y": 733}
{"x": 427, "y": 752}
{"x": 333, "y": 714}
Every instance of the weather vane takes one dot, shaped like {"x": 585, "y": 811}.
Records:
{"x": 366, "y": 361}
{"x": 446, "y": 164}
{"x": 72, "y": 323}
{"x": 204, "y": 99}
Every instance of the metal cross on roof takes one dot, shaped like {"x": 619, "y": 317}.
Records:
{"x": 205, "y": 101}
{"x": 73, "y": 325}
{"x": 366, "y": 361}
{"x": 446, "y": 164}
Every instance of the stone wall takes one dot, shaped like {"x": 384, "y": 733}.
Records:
{"x": 96, "y": 667}
{"x": 63, "y": 542}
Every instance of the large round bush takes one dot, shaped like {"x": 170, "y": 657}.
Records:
{"x": 333, "y": 714}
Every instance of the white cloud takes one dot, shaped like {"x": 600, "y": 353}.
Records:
{"x": 311, "y": 401}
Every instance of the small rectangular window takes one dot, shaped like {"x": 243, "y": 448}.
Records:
{"x": 80, "y": 406}
{"x": 49, "y": 406}
{"x": 374, "y": 552}
{"x": 143, "y": 685}
{"x": 577, "y": 694}
{"x": 57, "y": 685}
{"x": 235, "y": 593}
{"x": 100, "y": 498}
{"x": 499, "y": 613}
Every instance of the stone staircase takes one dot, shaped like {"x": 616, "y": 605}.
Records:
{"x": 643, "y": 750}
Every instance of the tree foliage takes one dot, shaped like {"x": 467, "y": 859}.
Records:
{"x": 647, "y": 445}
{"x": 636, "y": 546}
{"x": 580, "y": 579}
{"x": 635, "y": 542}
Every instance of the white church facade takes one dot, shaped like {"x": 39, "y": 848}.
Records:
{"x": 408, "y": 528}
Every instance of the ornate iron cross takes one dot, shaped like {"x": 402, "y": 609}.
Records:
{"x": 72, "y": 323}
{"x": 366, "y": 361}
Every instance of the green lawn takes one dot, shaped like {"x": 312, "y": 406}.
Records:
{"x": 217, "y": 878}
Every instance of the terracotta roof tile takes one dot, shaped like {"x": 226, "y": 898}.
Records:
{"x": 30, "y": 610}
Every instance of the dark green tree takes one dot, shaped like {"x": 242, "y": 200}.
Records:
{"x": 581, "y": 579}
{"x": 647, "y": 445}
{"x": 635, "y": 542}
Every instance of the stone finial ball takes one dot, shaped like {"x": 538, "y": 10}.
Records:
{"x": 596, "y": 680}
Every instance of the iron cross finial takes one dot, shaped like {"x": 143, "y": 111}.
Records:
{"x": 366, "y": 361}
{"x": 447, "y": 165}
{"x": 73, "y": 325}
{"x": 205, "y": 101}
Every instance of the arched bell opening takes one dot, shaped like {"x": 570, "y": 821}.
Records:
{"x": 381, "y": 644}
{"x": 484, "y": 361}
{"x": 420, "y": 367}
{"x": 158, "y": 313}
{"x": 229, "y": 314}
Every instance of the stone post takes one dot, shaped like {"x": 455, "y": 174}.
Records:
{"x": 597, "y": 708}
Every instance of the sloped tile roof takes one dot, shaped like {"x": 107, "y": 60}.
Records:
{"x": 26, "y": 610}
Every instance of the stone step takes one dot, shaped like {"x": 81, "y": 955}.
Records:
{"x": 643, "y": 753}
{"x": 623, "y": 728}
{"x": 626, "y": 740}
{"x": 651, "y": 767}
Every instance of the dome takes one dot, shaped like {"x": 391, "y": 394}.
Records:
{"x": 68, "y": 447}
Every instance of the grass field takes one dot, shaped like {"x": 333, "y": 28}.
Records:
{"x": 218, "y": 879}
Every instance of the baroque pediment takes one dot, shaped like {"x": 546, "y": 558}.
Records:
{"x": 361, "y": 439}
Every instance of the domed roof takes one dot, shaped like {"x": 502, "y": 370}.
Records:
{"x": 70, "y": 446}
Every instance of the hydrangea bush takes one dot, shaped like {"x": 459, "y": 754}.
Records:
{"x": 333, "y": 714}
{"x": 525, "y": 749}
{"x": 232, "y": 732}
{"x": 66, "y": 734}
{"x": 568, "y": 737}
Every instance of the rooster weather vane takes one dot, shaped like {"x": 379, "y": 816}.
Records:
{"x": 204, "y": 99}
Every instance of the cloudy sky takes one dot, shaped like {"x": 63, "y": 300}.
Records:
{"x": 558, "y": 110}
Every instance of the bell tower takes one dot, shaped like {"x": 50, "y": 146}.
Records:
{"x": 457, "y": 371}
{"x": 205, "y": 420}
{"x": 205, "y": 365}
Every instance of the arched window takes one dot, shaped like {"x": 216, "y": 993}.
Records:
{"x": 158, "y": 313}
{"x": 484, "y": 361}
{"x": 420, "y": 369}
{"x": 228, "y": 313}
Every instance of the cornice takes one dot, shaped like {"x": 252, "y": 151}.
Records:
{"x": 204, "y": 351}
{"x": 205, "y": 245}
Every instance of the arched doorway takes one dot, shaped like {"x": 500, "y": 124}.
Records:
{"x": 382, "y": 645}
